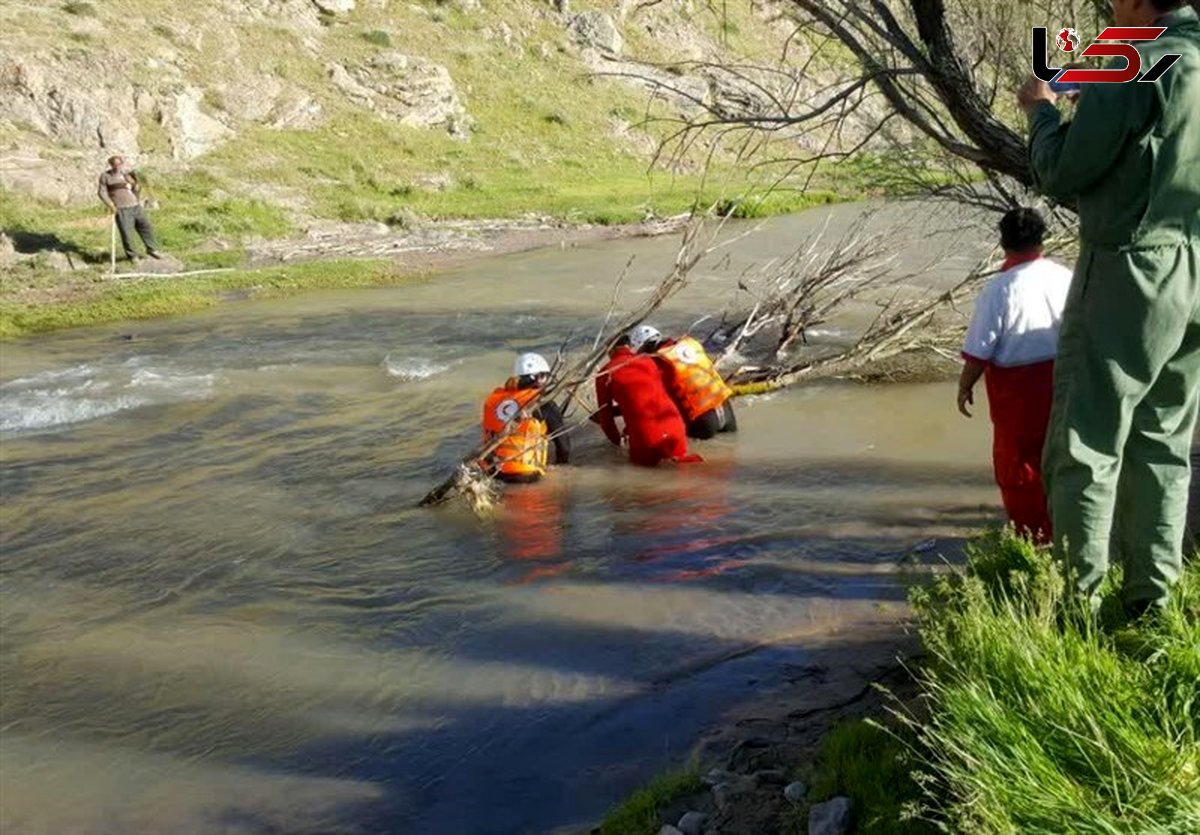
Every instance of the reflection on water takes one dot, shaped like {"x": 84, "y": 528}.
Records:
{"x": 221, "y": 613}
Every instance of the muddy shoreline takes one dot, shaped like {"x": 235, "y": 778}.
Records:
{"x": 433, "y": 247}
{"x": 48, "y": 279}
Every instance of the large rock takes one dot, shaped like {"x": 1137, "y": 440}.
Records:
{"x": 191, "y": 131}
{"x": 79, "y": 103}
{"x": 250, "y": 98}
{"x": 830, "y": 818}
{"x": 349, "y": 85}
{"x": 409, "y": 90}
{"x": 596, "y": 30}
{"x": 726, "y": 793}
{"x": 58, "y": 181}
{"x": 692, "y": 823}
{"x": 296, "y": 111}
{"x": 304, "y": 13}
{"x": 795, "y": 792}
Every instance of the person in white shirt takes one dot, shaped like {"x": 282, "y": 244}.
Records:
{"x": 1011, "y": 343}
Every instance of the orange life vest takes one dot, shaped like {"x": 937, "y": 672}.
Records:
{"x": 525, "y": 449}
{"x": 696, "y": 385}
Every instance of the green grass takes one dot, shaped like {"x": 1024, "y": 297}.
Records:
{"x": 639, "y": 814}
{"x": 549, "y": 140}
{"x": 170, "y": 296}
{"x": 1039, "y": 720}
{"x": 869, "y": 764}
{"x": 193, "y": 213}
{"x": 1032, "y": 716}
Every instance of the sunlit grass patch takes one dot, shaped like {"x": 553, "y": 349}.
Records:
{"x": 639, "y": 814}
{"x": 1039, "y": 720}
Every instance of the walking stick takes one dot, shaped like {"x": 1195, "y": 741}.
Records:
{"x": 112, "y": 246}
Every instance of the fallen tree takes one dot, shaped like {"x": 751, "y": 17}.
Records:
{"x": 567, "y": 376}
{"x": 765, "y": 342}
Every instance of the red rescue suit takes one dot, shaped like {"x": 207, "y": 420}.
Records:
{"x": 1019, "y": 399}
{"x": 634, "y": 384}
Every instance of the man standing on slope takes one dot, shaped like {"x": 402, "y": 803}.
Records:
{"x": 692, "y": 380}
{"x": 120, "y": 190}
{"x": 633, "y": 384}
{"x": 1127, "y": 380}
{"x": 1011, "y": 344}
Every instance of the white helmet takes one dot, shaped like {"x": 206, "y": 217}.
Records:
{"x": 642, "y": 334}
{"x": 530, "y": 365}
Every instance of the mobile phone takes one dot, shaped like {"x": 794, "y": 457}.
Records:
{"x": 1061, "y": 87}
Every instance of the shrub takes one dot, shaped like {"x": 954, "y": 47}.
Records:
{"x": 79, "y": 8}
{"x": 378, "y": 37}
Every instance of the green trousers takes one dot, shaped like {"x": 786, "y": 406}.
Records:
{"x": 1126, "y": 394}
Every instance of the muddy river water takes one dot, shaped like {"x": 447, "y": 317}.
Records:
{"x": 222, "y": 613}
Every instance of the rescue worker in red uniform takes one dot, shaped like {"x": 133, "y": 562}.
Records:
{"x": 1012, "y": 343}
{"x": 696, "y": 386}
{"x": 632, "y": 386}
{"x": 523, "y": 454}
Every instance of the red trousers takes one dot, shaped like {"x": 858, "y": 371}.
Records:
{"x": 1019, "y": 399}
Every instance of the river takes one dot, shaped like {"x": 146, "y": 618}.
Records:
{"x": 221, "y": 611}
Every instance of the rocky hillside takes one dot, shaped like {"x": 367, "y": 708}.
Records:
{"x": 349, "y": 109}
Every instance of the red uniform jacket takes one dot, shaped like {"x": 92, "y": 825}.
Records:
{"x": 634, "y": 383}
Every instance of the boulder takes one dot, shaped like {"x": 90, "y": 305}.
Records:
{"x": 391, "y": 60}
{"x": 191, "y": 131}
{"x": 596, "y": 30}
{"x": 830, "y": 818}
{"x": 726, "y": 793}
{"x": 80, "y": 102}
{"x": 692, "y": 823}
{"x": 349, "y": 85}
{"x": 251, "y": 98}
{"x": 667, "y": 829}
{"x": 795, "y": 792}
{"x": 412, "y": 91}
{"x": 59, "y": 262}
{"x": 296, "y": 111}
{"x": 304, "y": 13}
{"x": 59, "y": 181}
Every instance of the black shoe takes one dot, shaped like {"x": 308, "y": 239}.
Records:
{"x": 155, "y": 254}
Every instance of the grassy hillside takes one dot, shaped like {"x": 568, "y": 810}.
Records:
{"x": 192, "y": 94}
{"x": 548, "y": 136}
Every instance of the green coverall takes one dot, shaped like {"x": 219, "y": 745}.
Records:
{"x": 1127, "y": 377}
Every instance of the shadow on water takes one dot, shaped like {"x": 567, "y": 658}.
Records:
{"x": 534, "y": 699}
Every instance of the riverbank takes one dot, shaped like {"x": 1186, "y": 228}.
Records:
{"x": 36, "y": 297}
{"x": 998, "y": 727}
